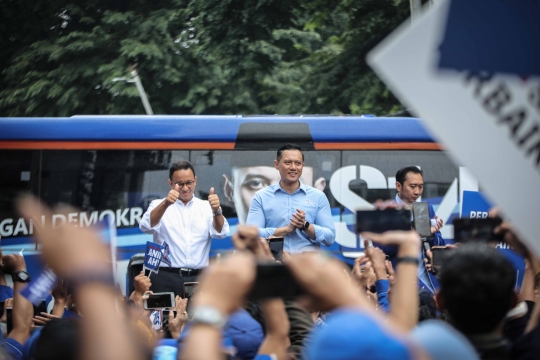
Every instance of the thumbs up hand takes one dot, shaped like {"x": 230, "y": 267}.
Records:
{"x": 213, "y": 199}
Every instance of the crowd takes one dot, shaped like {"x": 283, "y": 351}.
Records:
{"x": 376, "y": 310}
{"x": 371, "y": 312}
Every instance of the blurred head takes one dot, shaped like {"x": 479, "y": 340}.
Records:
{"x": 409, "y": 184}
{"x": 182, "y": 179}
{"x": 340, "y": 339}
{"x": 476, "y": 288}
{"x": 427, "y": 309}
{"x": 59, "y": 339}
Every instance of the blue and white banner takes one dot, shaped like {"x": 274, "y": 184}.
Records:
{"x": 39, "y": 288}
{"x": 153, "y": 256}
{"x": 475, "y": 205}
{"x": 166, "y": 252}
{"x": 155, "y": 319}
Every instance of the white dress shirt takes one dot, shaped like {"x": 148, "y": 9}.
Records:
{"x": 188, "y": 230}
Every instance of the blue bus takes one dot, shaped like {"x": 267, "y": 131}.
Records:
{"x": 116, "y": 165}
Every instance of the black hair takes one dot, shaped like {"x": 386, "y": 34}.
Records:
{"x": 476, "y": 287}
{"x": 427, "y": 309}
{"x": 59, "y": 339}
{"x": 180, "y": 165}
{"x": 255, "y": 310}
{"x": 289, "y": 147}
{"x": 401, "y": 175}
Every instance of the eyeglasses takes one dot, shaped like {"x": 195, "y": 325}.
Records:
{"x": 187, "y": 183}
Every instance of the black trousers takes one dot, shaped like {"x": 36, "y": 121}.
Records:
{"x": 165, "y": 281}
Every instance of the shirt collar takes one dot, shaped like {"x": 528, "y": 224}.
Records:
{"x": 400, "y": 202}
{"x": 302, "y": 187}
{"x": 189, "y": 202}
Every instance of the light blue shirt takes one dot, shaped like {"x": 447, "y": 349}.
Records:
{"x": 272, "y": 208}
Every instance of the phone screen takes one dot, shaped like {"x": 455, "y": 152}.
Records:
{"x": 276, "y": 247}
{"x": 160, "y": 300}
{"x": 42, "y": 307}
{"x": 422, "y": 224}
{"x": 379, "y": 221}
{"x": 466, "y": 229}
{"x": 274, "y": 280}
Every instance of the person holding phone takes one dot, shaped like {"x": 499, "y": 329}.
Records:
{"x": 410, "y": 186}
{"x": 187, "y": 224}
{"x": 290, "y": 208}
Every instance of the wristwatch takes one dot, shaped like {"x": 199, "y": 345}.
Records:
{"x": 209, "y": 315}
{"x": 219, "y": 212}
{"x": 21, "y": 276}
{"x": 306, "y": 225}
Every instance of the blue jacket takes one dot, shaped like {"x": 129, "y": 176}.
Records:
{"x": 436, "y": 240}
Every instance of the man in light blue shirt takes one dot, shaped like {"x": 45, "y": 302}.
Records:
{"x": 299, "y": 213}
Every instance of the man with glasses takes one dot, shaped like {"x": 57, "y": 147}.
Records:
{"x": 187, "y": 224}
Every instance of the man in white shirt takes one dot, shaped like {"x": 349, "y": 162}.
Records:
{"x": 187, "y": 224}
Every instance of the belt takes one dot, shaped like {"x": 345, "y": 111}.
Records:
{"x": 182, "y": 271}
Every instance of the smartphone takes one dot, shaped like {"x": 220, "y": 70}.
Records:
{"x": 276, "y": 247}
{"x": 379, "y": 221}
{"x": 439, "y": 254}
{"x": 165, "y": 322}
{"x": 41, "y": 307}
{"x": 274, "y": 281}
{"x": 466, "y": 230}
{"x": 422, "y": 224}
{"x": 190, "y": 288}
{"x": 160, "y": 300}
{"x": 9, "y": 319}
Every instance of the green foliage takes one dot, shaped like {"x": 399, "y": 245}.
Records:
{"x": 194, "y": 57}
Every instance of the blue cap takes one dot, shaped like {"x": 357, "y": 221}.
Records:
{"x": 353, "y": 334}
{"x": 442, "y": 342}
{"x": 242, "y": 332}
{"x": 246, "y": 334}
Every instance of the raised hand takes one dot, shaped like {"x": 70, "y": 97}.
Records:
{"x": 377, "y": 258}
{"x": 172, "y": 196}
{"x": 176, "y": 324}
{"x": 62, "y": 247}
{"x": 44, "y": 318}
{"x": 213, "y": 199}
{"x": 142, "y": 283}
{"x": 438, "y": 225}
{"x": 323, "y": 281}
{"x": 225, "y": 285}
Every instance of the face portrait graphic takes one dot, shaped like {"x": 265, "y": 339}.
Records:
{"x": 246, "y": 181}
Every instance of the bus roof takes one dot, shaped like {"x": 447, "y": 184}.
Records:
{"x": 165, "y": 129}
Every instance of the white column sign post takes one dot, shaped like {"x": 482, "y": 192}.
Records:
{"x": 489, "y": 123}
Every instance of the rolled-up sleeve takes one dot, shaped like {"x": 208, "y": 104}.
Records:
{"x": 224, "y": 229}
{"x": 144, "y": 225}
{"x": 325, "y": 231}
{"x": 256, "y": 217}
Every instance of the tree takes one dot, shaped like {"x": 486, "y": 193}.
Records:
{"x": 194, "y": 57}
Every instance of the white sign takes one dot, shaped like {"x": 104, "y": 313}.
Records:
{"x": 491, "y": 124}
